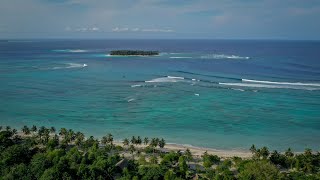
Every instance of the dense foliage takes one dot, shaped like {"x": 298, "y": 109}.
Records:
{"x": 133, "y": 53}
{"x": 41, "y": 153}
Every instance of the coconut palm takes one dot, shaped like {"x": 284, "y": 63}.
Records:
{"x": 188, "y": 155}
{"x": 161, "y": 143}
{"x": 153, "y": 142}
{"x": 126, "y": 142}
{"x": 63, "y": 132}
{"x": 8, "y": 128}
{"x": 104, "y": 140}
{"x": 79, "y": 138}
{"x": 70, "y": 135}
{"x": 139, "y": 140}
{"x": 25, "y": 130}
{"x": 52, "y": 130}
{"x": 264, "y": 152}
{"x": 34, "y": 128}
{"x": 253, "y": 149}
{"x": 41, "y": 132}
{"x": 132, "y": 149}
{"x": 46, "y": 135}
{"x": 146, "y": 141}
{"x": 289, "y": 153}
{"x": 110, "y": 138}
{"x": 133, "y": 140}
{"x": 0, "y": 128}
{"x": 14, "y": 131}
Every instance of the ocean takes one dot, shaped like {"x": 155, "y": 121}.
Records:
{"x": 222, "y": 94}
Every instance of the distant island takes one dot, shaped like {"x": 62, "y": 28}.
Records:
{"x": 133, "y": 53}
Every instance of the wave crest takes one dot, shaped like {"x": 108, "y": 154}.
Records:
{"x": 71, "y": 50}
{"x": 180, "y": 57}
{"x": 273, "y": 84}
{"x": 223, "y": 56}
{"x": 282, "y": 83}
{"x": 70, "y": 65}
{"x": 169, "y": 79}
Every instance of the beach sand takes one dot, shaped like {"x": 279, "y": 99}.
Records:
{"x": 198, "y": 151}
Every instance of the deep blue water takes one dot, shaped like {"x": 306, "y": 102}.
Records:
{"x": 224, "y": 94}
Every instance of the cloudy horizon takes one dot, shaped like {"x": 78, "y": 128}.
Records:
{"x": 191, "y": 19}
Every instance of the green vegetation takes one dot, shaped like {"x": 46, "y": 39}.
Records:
{"x": 41, "y": 153}
{"x": 133, "y": 53}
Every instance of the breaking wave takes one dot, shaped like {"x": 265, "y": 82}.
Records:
{"x": 70, "y": 65}
{"x": 282, "y": 83}
{"x": 271, "y": 84}
{"x": 223, "y": 56}
{"x": 169, "y": 79}
{"x": 71, "y": 50}
{"x": 136, "y": 85}
{"x": 180, "y": 57}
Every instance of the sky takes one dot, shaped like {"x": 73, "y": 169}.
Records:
{"x": 161, "y": 19}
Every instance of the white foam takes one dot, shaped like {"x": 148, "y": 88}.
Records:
{"x": 223, "y": 56}
{"x": 237, "y": 89}
{"x": 70, "y": 65}
{"x": 71, "y": 50}
{"x": 169, "y": 79}
{"x": 197, "y": 94}
{"x": 136, "y": 85}
{"x": 132, "y": 99}
{"x": 180, "y": 57}
{"x": 77, "y": 50}
{"x": 256, "y": 85}
{"x": 175, "y": 77}
{"x": 282, "y": 83}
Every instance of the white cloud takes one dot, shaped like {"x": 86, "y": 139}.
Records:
{"x": 135, "y": 29}
{"x": 157, "y": 30}
{"x": 126, "y": 29}
{"x": 117, "y": 29}
{"x": 83, "y": 29}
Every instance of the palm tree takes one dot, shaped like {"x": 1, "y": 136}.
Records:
{"x": 253, "y": 149}
{"x": 139, "y": 140}
{"x": 34, "y": 128}
{"x": 133, "y": 140}
{"x": 126, "y": 142}
{"x": 63, "y": 132}
{"x": 70, "y": 135}
{"x": 41, "y": 132}
{"x": 264, "y": 152}
{"x": 52, "y": 130}
{"x": 146, "y": 141}
{"x": 162, "y": 143}
{"x": 14, "y": 131}
{"x": 153, "y": 142}
{"x": 0, "y": 128}
{"x": 79, "y": 138}
{"x": 289, "y": 153}
{"x": 110, "y": 138}
{"x": 104, "y": 140}
{"x": 8, "y": 128}
{"x": 25, "y": 130}
{"x": 46, "y": 135}
{"x": 132, "y": 149}
{"x": 188, "y": 155}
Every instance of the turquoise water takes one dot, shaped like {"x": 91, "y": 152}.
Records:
{"x": 218, "y": 94}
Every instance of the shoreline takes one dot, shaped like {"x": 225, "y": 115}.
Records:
{"x": 199, "y": 151}
{"x": 195, "y": 150}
